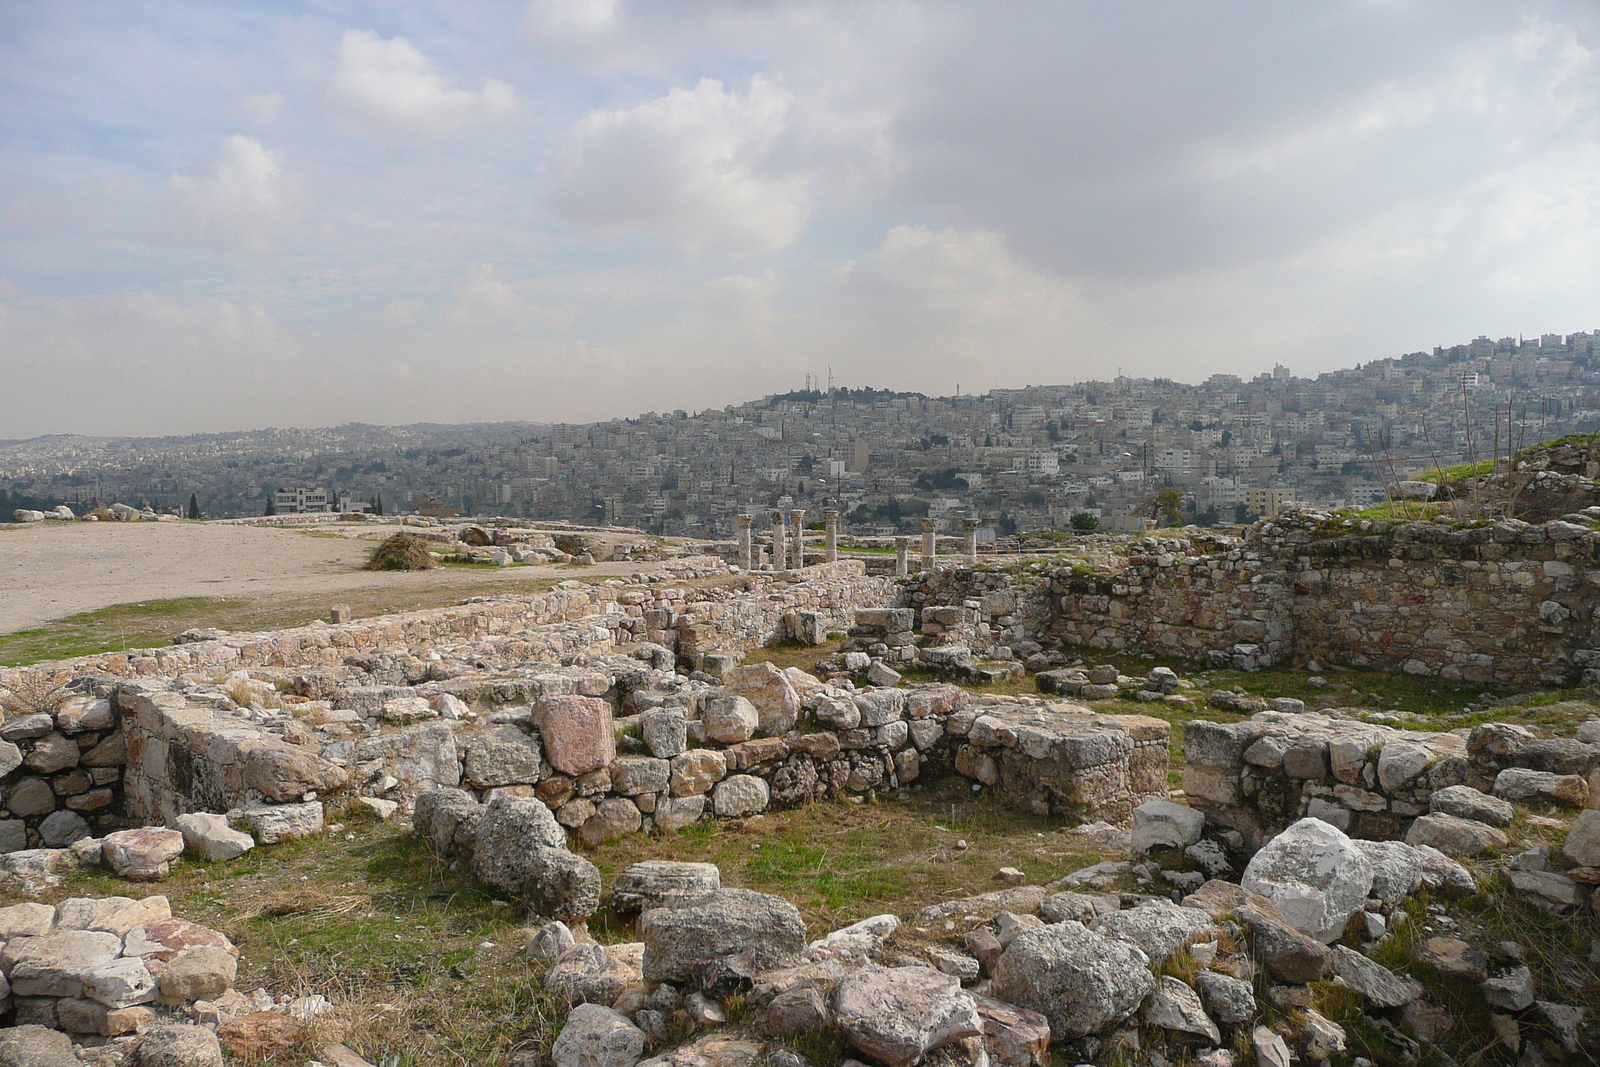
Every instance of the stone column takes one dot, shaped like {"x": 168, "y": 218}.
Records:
{"x": 746, "y": 557}
{"x": 797, "y": 535}
{"x": 830, "y": 534}
{"x": 902, "y": 556}
{"x": 930, "y": 543}
{"x": 778, "y": 560}
{"x": 969, "y": 540}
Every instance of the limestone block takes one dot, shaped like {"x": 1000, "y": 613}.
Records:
{"x": 578, "y": 732}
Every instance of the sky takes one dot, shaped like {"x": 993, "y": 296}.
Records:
{"x": 231, "y": 216}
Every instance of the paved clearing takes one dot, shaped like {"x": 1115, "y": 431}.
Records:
{"x": 49, "y": 571}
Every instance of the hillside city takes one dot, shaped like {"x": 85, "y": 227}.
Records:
{"x": 1014, "y": 459}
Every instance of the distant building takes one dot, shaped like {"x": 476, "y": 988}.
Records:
{"x": 301, "y": 501}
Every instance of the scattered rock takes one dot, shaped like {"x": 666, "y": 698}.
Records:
{"x": 1381, "y": 986}
{"x": 1174, "y": 1006}
{"x": 1314, "y": 876}
{"x": 766, "y": 929}
{"x": 1455, "y": 837}
{"x": 211, "y": 838}
{"x": 662, "y": 883}
{"x": 1465, "y": 802}
{"x": 180, "y": 1046}
{"x": 1081, "y": 981}
{"x": 142, "y": 855}
{"x": 898, "y": 1014}
{"x": 596, "y": 1036}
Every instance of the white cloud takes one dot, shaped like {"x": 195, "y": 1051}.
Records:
{"x": 394, "y": 84}
{"x": 242, "y": 200}
{"x": 694, "y": 166}
{"x": 262, "y": 107}
{"x": 568, "y": 19}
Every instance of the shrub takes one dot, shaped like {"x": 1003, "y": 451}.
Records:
{"x": 402, "y": 552}
{"x": 31, "y": 692}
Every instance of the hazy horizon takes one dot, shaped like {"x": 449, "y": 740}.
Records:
{"x": 274, "y": 214}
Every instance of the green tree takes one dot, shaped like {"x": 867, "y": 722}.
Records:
{"x": 1083, "y": 522}
{"x": 1169, "y": 505}
{"x": 194, "y": 506}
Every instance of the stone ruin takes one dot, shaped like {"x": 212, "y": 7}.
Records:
{"x": 510, "y": 728}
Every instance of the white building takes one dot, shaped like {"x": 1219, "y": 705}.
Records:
{"x": 301, "y": 501}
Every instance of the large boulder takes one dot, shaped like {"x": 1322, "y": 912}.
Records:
{"x": 211, "y": 838}
{"x": 1455, "y": 837}
{"x": 1176, "y": 1007}
{"x": 1160, "y": 930}
{"x": 765, "y": 686}
{"x": 1582, "y": 845}
{"x": 142, "y": 855}
{"x": 520, "y": 848}
{"x": 729, "y": 719}
{"x": 662, "y": 883}
{"x": 579, "y": 733}
{"x": 1314, "y": 876}
{"x": 1163, "y": 824}
{"x": 1231, "y": 1001}
{"x": 596, "y": 1036}
{"x": 447, "y": 819}
{"x": 767, "y": 930}
{"x": 1396, "y": 868}
{"x": 1465, "y": 802}
{"x": 36, "y": 1046}
{"x": 896, "y": 1015}
{"x": 1082, "y": 981}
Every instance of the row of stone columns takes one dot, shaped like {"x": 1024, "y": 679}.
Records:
{"x": 788, "y": 549}
{"x": 791, "y": 549}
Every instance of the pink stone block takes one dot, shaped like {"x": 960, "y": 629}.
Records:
{"x": 579, "y": 735}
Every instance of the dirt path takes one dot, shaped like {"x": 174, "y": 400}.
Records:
{"x": 52, "y": 570}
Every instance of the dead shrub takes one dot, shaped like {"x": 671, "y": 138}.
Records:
{"x": 30, "y": 692}
{"x": 402, "y": 552}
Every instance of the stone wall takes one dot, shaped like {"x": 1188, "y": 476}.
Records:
{"x": 1372, "y": 781}
{"x": 61, "y": 772}
{"x": 1508, "y": 603}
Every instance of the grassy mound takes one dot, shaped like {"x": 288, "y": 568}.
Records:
{"x": 402, "y": 552}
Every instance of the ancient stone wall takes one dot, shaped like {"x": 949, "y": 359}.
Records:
{"x": 1506, "y": 603}
{"x": 1369, "y": 780}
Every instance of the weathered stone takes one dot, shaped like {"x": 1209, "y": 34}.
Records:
{"x": 1513, "y": 991}
{"x": 199, "y": 973}
{"x": 421, "y": 757}
{"x": 25, "y": 920}
{"x": 1163, "y": 824}
{"x": 1518, "y": 783}
{"x": 36, "y": 1046}
{"x": 1455, "y": 959}
{"x": 633, "y": 775}
{"x": 801, "y": 1009}
{"x": 110, "y": 915}
{"x": 53, "y": 965}
{"x": 1176, "y": 1007}
{"x": 31, "y": 796}
{"x": 521, "y": 849}
{"x": 766, "y": 929}
{"x": 1081, "y": 981}
{"x": 858, "y": 940}
{"x": 1231, "y": 1001}
{"x": 1323, "y": 1038}
{"x": 499, "y": 755}
{"x": 50, "y": 754}
{"x": 1465, "y": 802}
{"x": 1582, "y": 845}
{"x": 1381, "y": 986}
{"x": 1396, "y": 868}
{"x": 1443, "y": 873}
{"x": 730, "y": 719}
{"x": 898, "y": 1014}
{"x": 1313, "y": 875}
{"x": 447, "y": 819}
{"x": 1160, "y": 930}
{"x": 1288, "y": 954}
{"x": 210, "y": 838}
{"x": 60, "y": 829}
{"x": 284, "y": 822}
{"x": 1455, "y": 837}
{"x": 740, "y": 794}
{"x": 612, "y": 819}
{"x": 596, "y": 1036}
{"x": 665, "y": 732}
{"x": 142, "y": 855}
{"x": 579, "y": 733}
{"x": 766, "y": 687}
{"x": 1270, "y": 1049}
{"x": 696, "y": 771}
{"x": 180, "y": 1046}
{"x": 1014, "y": 1037}
{"x": 662, "y": 883}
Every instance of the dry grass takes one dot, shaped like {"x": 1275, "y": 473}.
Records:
{"x": 402, "y": 552}
{"x": 31, "y": 692}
